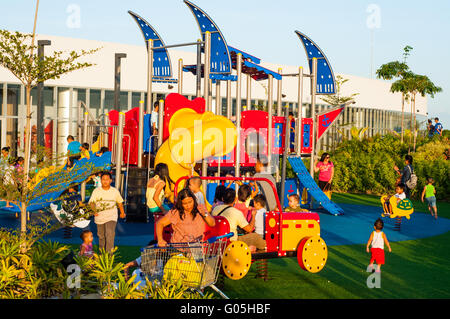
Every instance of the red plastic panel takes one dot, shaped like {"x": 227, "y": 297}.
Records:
{"x": 307, "y": 135}
{"x": 272, "y": 231}
{"x": 167, "y": 231}
{"x": 222, "y": 227}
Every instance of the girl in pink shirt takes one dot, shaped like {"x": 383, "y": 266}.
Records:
{"x": 326, "y": 172}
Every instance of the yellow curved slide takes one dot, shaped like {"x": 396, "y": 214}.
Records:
{"x": 192, "y": 137}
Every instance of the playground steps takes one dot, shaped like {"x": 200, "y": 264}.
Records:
{"x": 311, "y": 186}
{"x": 135, "y": 190}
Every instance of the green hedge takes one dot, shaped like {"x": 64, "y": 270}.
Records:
{"x": 366, "y": 166}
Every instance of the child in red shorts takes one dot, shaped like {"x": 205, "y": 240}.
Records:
{"x": 377, "y": 240}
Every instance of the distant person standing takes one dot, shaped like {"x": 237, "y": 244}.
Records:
{"x": 430, "y": 128}
{"x": 154, "y": 119}
{"x": 438, "y": 127}
{"x": 325, "y": 167}
{"x": 104, "y": 201}
{"x": 291, "y": 132}
{"x": 5, "y": 158}
{"x": 265, "y": 188}
{"x": 406, "y": 174}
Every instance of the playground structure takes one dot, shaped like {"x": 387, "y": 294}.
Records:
{"x": 258, "y": 132}
{"x": 253, "y": 132}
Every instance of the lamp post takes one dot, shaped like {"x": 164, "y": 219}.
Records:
{"x": 117, "y": 70}
{"x": 40, "y": 97}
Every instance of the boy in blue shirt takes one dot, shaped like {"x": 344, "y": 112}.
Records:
{"x": 437, "y": 127}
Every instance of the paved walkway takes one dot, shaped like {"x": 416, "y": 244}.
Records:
{"x": 352, "y": 228}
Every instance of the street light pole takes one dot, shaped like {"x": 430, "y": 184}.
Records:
{"x": 117, "y": 70}
{"x": 40, "y": 97}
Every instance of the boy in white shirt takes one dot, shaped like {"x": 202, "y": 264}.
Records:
{"x": 104, "y": 202}
{"x": 400, "y": 193}
{"x": 259, "y": 204}
{"x": 194, "y": 184}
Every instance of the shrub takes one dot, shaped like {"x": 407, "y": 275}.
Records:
{"x": 366, "y": 166}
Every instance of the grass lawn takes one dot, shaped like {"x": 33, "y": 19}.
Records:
{"x": 415, "y": 269}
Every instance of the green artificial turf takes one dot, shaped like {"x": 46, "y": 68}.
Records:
{"x": 414, "y": 269}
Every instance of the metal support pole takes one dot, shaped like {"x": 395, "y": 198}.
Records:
{"x": 210, "y": 97}
{"x": 229, "y": 113}
{"x": 40, "y": 97}
{"x": 249, "y": 92}
{"x": 85, "y": 127}
{"x": 117, "y": 70}
{"x": 180, "y": 76}
{"x": 207, "y": 69}
{"x": 141, "y": 133}
{"x": 313, "y": 113}
{"x": 285, "y": 152}
{"x": 269, "y": 129}
{"x": 149, "y": 75}
{"x": 279, "y": 88}
{"x": 160, "y": 122}
{"x": 218, "y": 99}
{"x": 238, "y": 115}
{"x": 119, "y": 150}
{"x": 198, "y": 90}
{"x": 300, "y": 111}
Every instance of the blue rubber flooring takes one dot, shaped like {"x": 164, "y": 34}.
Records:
{"x": 354, "y": 227}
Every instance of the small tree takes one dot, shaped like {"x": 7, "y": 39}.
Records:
{"x": 397, "y": 70}
{"x": 19, "y": 56}
{"x": 419, "y": 84}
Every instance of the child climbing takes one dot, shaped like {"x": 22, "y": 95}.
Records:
{"x": 377, "y": 240}
{"x": 429, "y": 192}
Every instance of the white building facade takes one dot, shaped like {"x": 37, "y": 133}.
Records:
{"x": 376, "y": 107}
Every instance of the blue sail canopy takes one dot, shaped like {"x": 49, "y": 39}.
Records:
{"x": 162, "y": 68}
{"x": 220, "y": 56}
{"x": 326, "y": 83}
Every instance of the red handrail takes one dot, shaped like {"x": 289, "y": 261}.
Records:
{"x": 214, "y": 178}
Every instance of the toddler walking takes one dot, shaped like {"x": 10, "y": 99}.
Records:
{"x": 377, "y": 240}
{"x": 86, "y": 247}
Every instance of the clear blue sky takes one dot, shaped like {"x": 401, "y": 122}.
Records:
{"x": 265, "y": 28}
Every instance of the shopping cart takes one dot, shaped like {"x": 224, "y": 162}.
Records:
{"x": 196, "y": 264}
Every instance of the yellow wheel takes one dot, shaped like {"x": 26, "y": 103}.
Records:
{"x": 312, "y": 254}
{"x": 236, "y": 260}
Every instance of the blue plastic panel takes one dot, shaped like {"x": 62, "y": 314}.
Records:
{"x": 162, "y": 67}
{"x": 220, "y": 56}
{"x": 326, "y": 83}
